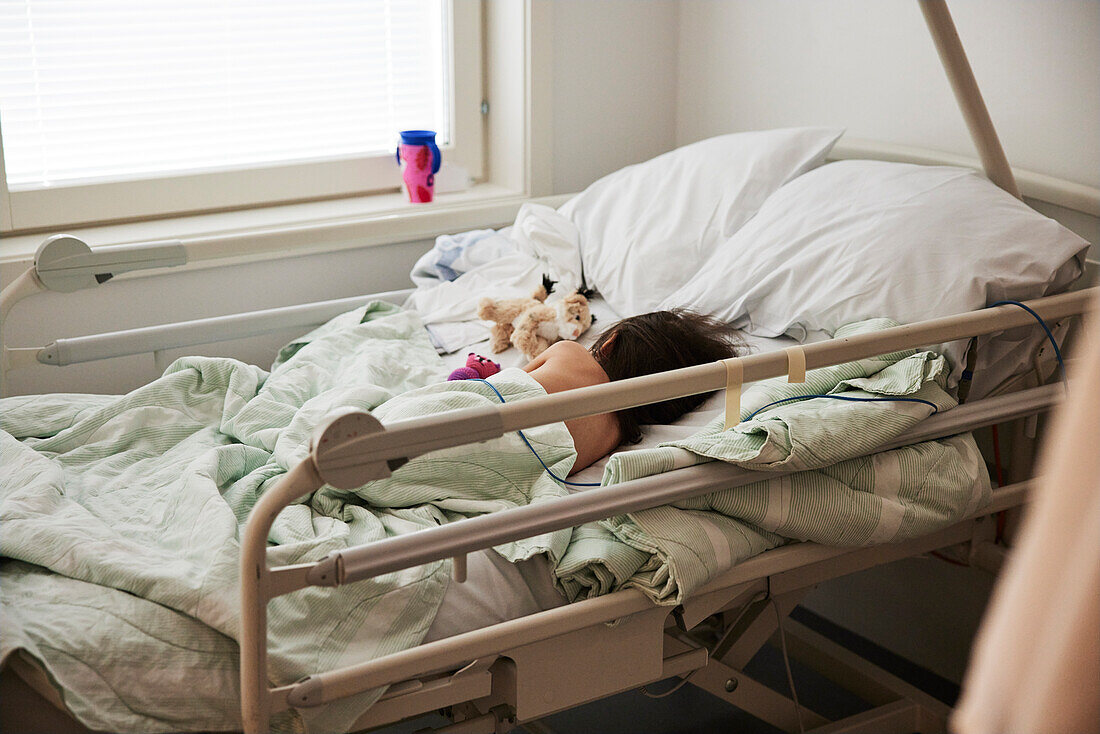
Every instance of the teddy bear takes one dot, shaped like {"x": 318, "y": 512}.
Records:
{"x": 533, "y": 324}
{"x": 477, "y": 368}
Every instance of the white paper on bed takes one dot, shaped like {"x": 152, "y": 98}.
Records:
{"x": 545, "y": 243}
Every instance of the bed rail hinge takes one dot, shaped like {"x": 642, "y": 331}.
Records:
{"x": 333, "y": 449}
{"x": 329, "y": 572}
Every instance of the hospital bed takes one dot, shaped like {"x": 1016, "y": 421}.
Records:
{"x": 518, "y": 670}
{"x": 522, "y": 668}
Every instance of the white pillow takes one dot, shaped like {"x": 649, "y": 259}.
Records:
{"x": 857, "y": 239}
{"x": 646, "y": 229}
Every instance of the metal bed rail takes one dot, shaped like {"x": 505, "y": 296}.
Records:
{"x": 353, "y": 448}
{"x": 144, "y": 340}
{"x": 486, "y": 531}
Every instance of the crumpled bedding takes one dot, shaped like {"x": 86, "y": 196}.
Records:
{"x": 121, "y": 515}
{"x": 840, "y": 495}
{"x": 507, "y": 264}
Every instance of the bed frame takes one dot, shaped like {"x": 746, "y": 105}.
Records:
{"x": 513, "y": 673}
{"x": 516, "y": 672}
{"x": 524, "y": 666}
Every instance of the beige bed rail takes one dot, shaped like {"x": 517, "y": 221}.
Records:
{"x": 353, "y": 448}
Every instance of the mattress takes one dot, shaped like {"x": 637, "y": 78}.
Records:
{"x": 497, "y": 590}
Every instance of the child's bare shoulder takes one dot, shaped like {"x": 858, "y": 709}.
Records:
{"x": 566, "y": 365}
{"x": 568, "y": 350}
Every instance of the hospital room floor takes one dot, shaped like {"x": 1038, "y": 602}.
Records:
{"x": 907, "y": 593}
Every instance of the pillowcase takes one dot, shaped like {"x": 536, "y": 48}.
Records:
{"x": 858, "y": 239}
{"x": 646, "y": 229}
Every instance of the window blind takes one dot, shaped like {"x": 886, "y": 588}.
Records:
{"x": 123, "y": 89}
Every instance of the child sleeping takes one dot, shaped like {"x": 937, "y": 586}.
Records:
{"x": 640, "y": 345}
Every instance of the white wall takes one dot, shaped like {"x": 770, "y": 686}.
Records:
{"x": 614, "y": 89}
{"x": 870, "y": 66}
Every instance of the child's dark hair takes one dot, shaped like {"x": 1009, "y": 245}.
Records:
{"x": 658, "y": 342}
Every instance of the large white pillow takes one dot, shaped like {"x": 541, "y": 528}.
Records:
{"x": 857, "y": 239}
{"x": 646, "y": 229}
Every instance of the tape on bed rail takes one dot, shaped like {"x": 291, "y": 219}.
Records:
{"x": 796, "y": 364}
{"x": 734, "y": 377}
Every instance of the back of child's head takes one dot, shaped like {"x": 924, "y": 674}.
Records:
{"x": 658, "y": 342}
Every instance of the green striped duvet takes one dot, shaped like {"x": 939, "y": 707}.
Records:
{"x": 120, "y": 515}
{"x": 840, "y": 495}
{"x": 120, "y": 518}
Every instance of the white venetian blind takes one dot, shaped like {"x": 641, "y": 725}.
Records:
{"x": 109, "y": 90}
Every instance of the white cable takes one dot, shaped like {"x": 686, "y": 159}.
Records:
{"x": 787, "y": 665}
{"x": 670, "y": 691}
{"x": 710, "y": 652}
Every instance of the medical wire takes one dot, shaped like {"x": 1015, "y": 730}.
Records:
{"x": 1037, "y": 317}
{"x": 848, "y": 398}
{"x": 1046, "y": 330}
{"x": 532, "y": 448}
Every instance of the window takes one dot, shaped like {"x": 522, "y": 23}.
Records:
{"x": 140, "y": 108}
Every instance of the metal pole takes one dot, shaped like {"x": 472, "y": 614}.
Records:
{"x": 705, "y": 378}
{"x": 145, "y": 339}
{"x": 967, "y": 94}
{"x": 256, "y": 591}
{"x": 26, "y": 284}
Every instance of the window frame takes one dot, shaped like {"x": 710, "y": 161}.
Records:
{"x": 267, "y": 185}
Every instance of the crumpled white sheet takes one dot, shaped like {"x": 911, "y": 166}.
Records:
{"x": 454, "y": 254}
{"x": 545, "y": 243}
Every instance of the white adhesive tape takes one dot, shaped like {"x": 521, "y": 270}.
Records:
{"x": 796, "y": 364}
{"x": 734, "y": 377}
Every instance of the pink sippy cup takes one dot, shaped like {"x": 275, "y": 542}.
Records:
{"x": 420, "y": 156}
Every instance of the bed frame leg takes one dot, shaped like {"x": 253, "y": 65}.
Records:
{"x": 499, "y": 720}
{"x": 899, "y": 706}
{"x": 734, "y": 687}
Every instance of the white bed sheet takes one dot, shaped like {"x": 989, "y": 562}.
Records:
{"x": 496, "y": 590}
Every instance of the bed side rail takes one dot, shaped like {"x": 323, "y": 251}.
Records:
{"x": 152, "y": 339}
{"x": 359, "y": 449}
{"x": 401, "y": 440}
{"x": 486, "y": 531}
{"x": 260, "y": 584}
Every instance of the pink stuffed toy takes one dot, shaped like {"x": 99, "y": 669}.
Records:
{"x": 477, "y": 367}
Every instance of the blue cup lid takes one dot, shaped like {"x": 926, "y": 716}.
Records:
{"x": 417, "y": 137}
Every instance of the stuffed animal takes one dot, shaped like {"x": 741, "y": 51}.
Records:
{"x": 533, "y": 324}
{"x": 477, "y": 368}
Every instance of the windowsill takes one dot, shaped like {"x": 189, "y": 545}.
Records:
{"x": 294, "y": 230}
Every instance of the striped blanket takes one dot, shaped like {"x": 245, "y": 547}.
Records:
{"x": 120, "y": 515}
{"x": 839, "y": 496}
{"x": 120, "y": 518}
